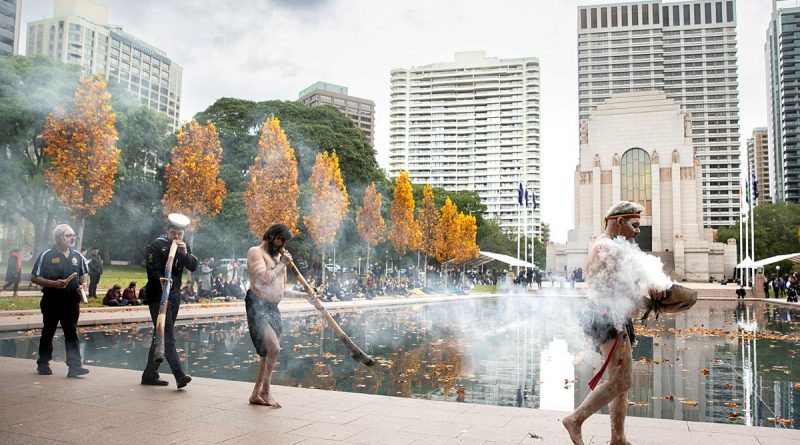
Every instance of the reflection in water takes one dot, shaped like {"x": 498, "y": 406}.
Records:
{"x": 719, "y": 362}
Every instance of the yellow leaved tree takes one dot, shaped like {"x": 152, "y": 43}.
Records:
{"x": 329, "y": 202}
{"x": 369, "y": 220}
{"x": 456, "y": 233}
{"x": 191, "y": 176}
{"x": 272, "y": 192}
{"x": 80, "y": 145}
{"x": 428, "y": 218}
{"x": 404, "y": 234}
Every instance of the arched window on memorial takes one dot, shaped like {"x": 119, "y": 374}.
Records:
{"x": 635, "y": 178}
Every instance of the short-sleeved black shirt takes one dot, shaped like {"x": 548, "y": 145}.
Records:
{"x": 53, "y": 265}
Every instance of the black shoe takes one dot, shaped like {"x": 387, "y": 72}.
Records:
{"x": 44, "y": 370}
{"x": 77, "y": 372}
{"x": 183, "y": 381}
{"x": 155, "y": 382}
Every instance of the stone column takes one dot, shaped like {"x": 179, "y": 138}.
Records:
{"x": 677, "y": 220}
{"x": 597, "y": 198}
{"x": 655, "y": 199}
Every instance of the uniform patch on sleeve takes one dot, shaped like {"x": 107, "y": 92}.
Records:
{"x": 56, "y": 260}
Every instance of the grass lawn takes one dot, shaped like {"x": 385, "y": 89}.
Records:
{"x": 123, "y": 275}
{"x": 484, "y": 289}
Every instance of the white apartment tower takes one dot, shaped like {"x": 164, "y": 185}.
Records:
{"x": 686, "y": 49}
{"x": 471, "y": 124}
{"x": 79, "y": 33}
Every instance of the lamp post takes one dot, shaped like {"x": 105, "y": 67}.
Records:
{"x": 359, "y": 265}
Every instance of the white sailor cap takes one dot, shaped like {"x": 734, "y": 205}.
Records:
{"x": 178, "y": 221}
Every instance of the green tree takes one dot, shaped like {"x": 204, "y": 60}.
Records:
{"x": 776, "y": 228}
{"x": 30, "y": 87}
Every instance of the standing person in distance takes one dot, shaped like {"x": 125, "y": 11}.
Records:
{"x": 60, "y": 299}
{"x": 156, "y": 261}
{"x": 13, "y": 271}
{"x": 95, "y": 270}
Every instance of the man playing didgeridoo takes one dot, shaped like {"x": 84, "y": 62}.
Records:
{"x": 266, "y": 265}
{"x": 617, "y": 281}
{"x": 157, "y": 254}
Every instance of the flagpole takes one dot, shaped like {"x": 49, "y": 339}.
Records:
{"x": 525, "y": 223}
{"x": 741, "y": 244}
{"x": 519, "y": 217}
{"x": 753, "y": 228}
{"x": 746, "y": 281}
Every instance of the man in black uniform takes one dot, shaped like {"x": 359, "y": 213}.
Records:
{"x": 156, "y": 258}
{"x": 60, "y": 299}
{"x": 95, "y": 270}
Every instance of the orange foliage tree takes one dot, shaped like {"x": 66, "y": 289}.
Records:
{"x": 191, "y": 177}
{"x": 369, "y": 220}
{"x": 404, "y": 234}
{"x": 81, "y": 147}
{"x": 271, "y": 195}
{"x": 456, "y": 234}
{"x": 329, "y": 202}
{"x": 428, "y": 218}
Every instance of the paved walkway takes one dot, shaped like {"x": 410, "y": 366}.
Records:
{"x": 110, "y": 407}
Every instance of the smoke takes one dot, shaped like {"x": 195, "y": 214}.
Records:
{"x": 619, "y": 277}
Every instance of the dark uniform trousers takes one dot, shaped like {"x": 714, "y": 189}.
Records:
{"x": 57, "y": 310}
{"x": 93, "y": 280}
{"x": 171, "y": 354}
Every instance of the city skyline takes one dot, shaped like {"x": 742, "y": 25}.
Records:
{"x": 261, "y": 51}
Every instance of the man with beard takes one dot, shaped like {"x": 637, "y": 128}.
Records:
{"x": 60, "y": 299}
{"x": 156, "y": 258}
{"x": 266, "y": 265}
{"x": 612, "y": 304}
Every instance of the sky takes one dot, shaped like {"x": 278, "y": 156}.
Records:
{"x": 272, "y": 49}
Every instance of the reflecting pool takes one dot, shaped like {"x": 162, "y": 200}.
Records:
{"x": 720, "y": 362}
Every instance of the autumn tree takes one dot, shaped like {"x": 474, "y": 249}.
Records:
{"x": 447, "y": 233}
{"x": 467, "y": 247}
{"x": 428, "y": 218}
{"x": 329, "y": 201}
{"x": 369, "y": 220}
{"x": 191, "y": 177}
{"x": 80, "y": 145}
{"x": 456, "y": 233}
{"x": 272, "y": 192}
{"x": 404, "y": 234}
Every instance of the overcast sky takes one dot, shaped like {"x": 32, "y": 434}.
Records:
{"x": 272, "y": 49}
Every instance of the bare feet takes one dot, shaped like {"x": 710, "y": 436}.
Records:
{"x": 265, "y": 400}
{"x": 574, "y": 430}
{"x": 257, "y": 400}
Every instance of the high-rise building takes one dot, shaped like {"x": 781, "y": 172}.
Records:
{"x": 10, "y": 13}
{"x": 470, "y": 124}
{"x": 686, "y": 49}
{"x": 79, "y": 33}
{"x": 758, "y": 160}
{"x": 783, "y": 102}
{"x": 360, "y": 111}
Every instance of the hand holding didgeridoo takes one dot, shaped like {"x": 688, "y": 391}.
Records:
{"x": 355, "y": 351}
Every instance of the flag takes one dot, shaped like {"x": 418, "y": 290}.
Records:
{"x": 533, "y": 199}
{"x": 755, "y": 187}
{"x": 527, "y": 199}
{"x": 519, "y": 194}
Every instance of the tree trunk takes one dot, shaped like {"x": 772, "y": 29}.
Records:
{"x": 367, "y": 265}
{"x": 81, "y": 223}
{"x": 322, "y": 271}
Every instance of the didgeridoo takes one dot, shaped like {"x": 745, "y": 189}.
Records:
{"x": 161, "y": 320}
{"x": 355, "y": 351}
{"x": 80, "y": 287}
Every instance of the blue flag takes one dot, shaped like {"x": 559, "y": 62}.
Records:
{"x": 755, "y": 187}
{"x": 527, "y": 200}
{"x": 519, "y": 194}
{"x": 533, "y": 198}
